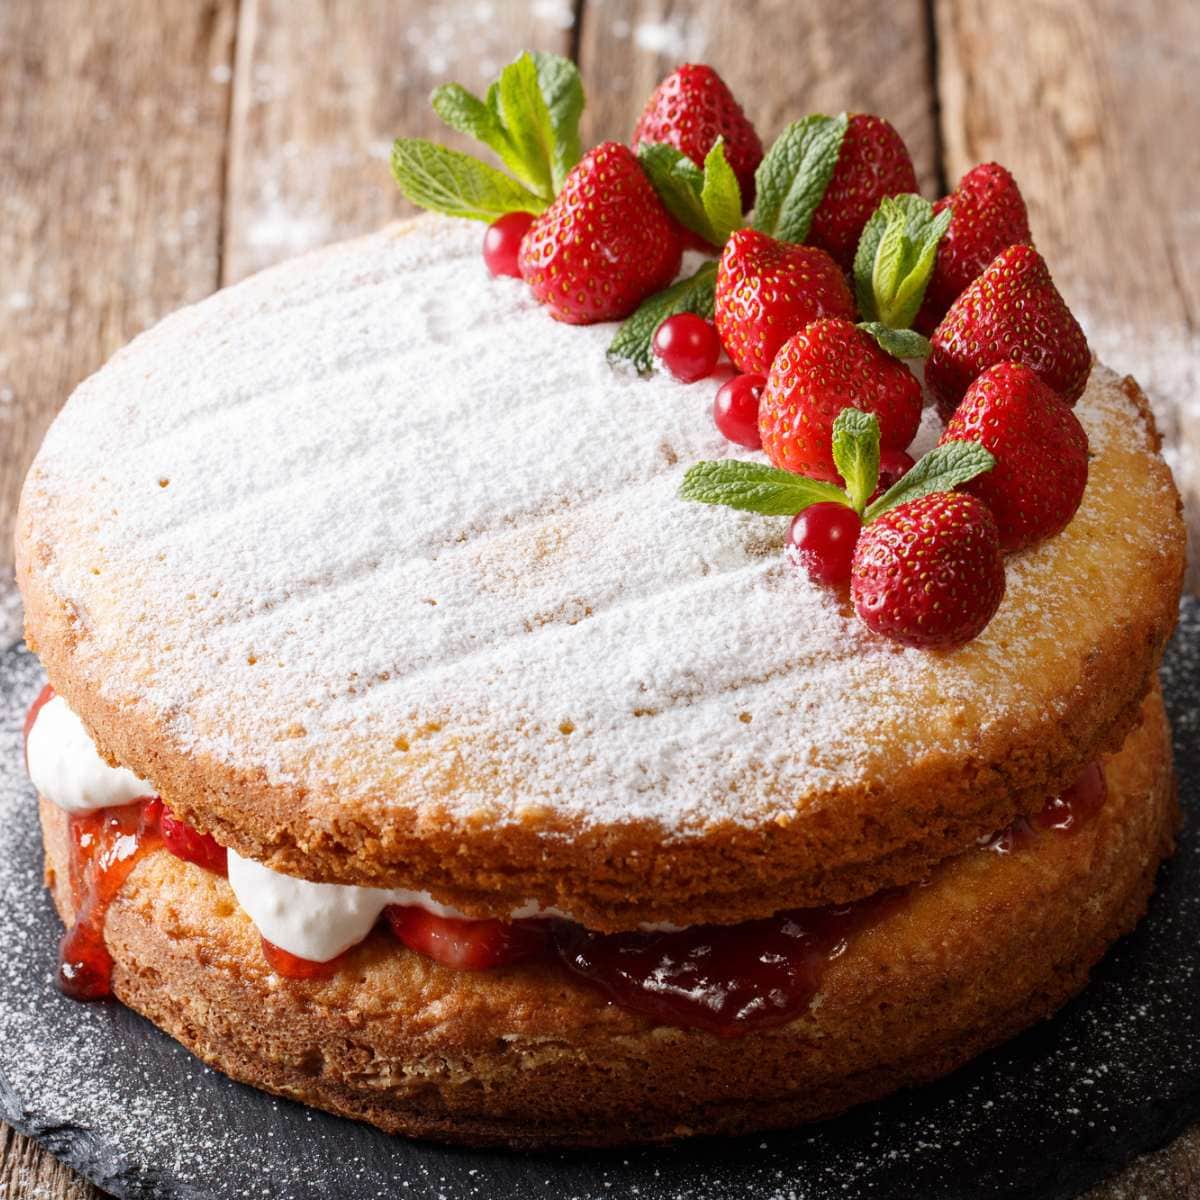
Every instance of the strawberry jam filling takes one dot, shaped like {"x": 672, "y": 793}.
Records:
{"x": 726, "y": 979}
{"x": 105, "y": 846}
{"x": 1068, "y": 812}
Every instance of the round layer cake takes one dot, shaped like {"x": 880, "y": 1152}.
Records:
{"x": 412, "y": 749}
{"x": 532, "y": 1055}
{"x": 378, "y": 575}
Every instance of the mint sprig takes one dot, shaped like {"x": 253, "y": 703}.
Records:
{"x": 450, "y": 182}
{"x": 941, "y": 470}
{"x": 529, "y": 119}
{"x": 791, "y": 179}
{"x": 706, "y": 200}
{"x": 895, "y": 259}
{"x": 562, "y": 90}
{"x": 755, "y": 487}
{"x": 856, "y": 454}
{"x": 632, "y": 343}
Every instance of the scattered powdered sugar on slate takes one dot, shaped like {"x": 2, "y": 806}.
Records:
{"x": 1116, "y": 1073}
{"x": 372, "y": 496}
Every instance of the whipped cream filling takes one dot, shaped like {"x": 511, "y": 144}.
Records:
{"x": 67, "y": 769}
{"x": 317, "y": 921}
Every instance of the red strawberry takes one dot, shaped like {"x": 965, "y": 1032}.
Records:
{"x": 604, "y": 244}
{"x": 929, "y": 573}
{"x": 987, "y": 213}
{"x": 873, "y": 163}
{"x": 769, "y": 290}
{"x": 463, "y": 944}
{"x": 829, "y": 366}
{"x": 689, "y": 110}
{"x": 1011, "y": 313}
{"x": 1040, "y": 448}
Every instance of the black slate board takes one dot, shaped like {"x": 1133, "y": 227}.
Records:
{"x": 1116, "y": 1073}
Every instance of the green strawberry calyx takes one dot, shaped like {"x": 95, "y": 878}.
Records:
{"x": 529, "y": 119}
{"x": 756, "y": 487}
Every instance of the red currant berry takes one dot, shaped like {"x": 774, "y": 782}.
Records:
{"x": 822, "y": 540}
{"x": 688, "y": 346}
{"x": 893, "y": 466}
{"x": 735, "y": 410}
{"x": 502, "y": 243}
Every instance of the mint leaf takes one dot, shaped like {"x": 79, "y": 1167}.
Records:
{"x": 530, "y": 118}
{"x": 678, "y": 182}
{"x": 467, "y": 114}
{"x": 895, "y": 259}
{"x": 856, "y": 454}
{"x": 694, "y": 294}
{"x": 792, "y": 177}
{"x": 456, "y": 184}
{"x": 562, "y": 90}
{"x": 900, "y": 343}
{"x": 720, "y": 195}
{"x": 941, "y": 470}
{"x": 755, "y": 487}
{"x": 707, "y": 200}
{"x": 521, "y": 111}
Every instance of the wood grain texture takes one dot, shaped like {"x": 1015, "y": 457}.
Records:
{"x": 112, "y": 141}
{"x": 1093, "y": 106}
{"x": 865, "y": 57}
{"x": 321, "y": 90}
{"x": 143, "y": 162}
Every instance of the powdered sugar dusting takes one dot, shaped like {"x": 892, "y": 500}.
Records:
{"x": 380, "y": 499}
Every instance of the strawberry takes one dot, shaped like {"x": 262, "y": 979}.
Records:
{"x": 873, "y": 163}
{"x": 464, "y": 944}
{"x": 987, "y": 214}
{"x": 689, "y": 110}
{"x": 1040, "y": 448}
{"x": 1011, "y": 313}
{"x": 604, "y": 245}
{"x": 928, "y": 573}
{"x": 768, "y": 290}
{"x": 829, "y": 366}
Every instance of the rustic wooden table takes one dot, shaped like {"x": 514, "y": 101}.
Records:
{"x": 153, "y": 150}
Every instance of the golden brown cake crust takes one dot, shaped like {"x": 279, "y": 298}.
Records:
{"x": 526, "y": 1056}
{"x": 970, "y": 741}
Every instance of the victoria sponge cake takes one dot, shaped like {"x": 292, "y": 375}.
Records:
{"x": 457, "y": 722}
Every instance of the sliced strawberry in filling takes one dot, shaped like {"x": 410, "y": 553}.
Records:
{"x": 193, "y": 846}
{"x": 292, "y": 966}
{"x": 463, "y": 944}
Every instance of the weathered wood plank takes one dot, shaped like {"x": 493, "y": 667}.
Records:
{"x": 112, "y": 132}
{"x": 26, "y": 1170}
{"x": 322, "y": 90}
{"x": 1093, "y": 106}
{"x": 860, "y": 56}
